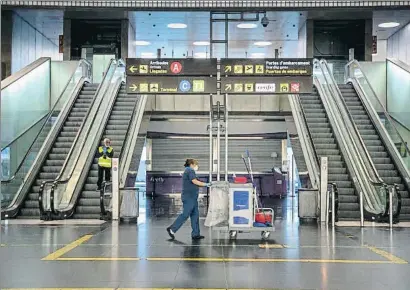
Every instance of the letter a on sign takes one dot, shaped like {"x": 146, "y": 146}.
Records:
{"x": 176, "y": 67}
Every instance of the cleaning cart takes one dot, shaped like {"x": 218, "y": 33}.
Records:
{"x": 234, "y": 206}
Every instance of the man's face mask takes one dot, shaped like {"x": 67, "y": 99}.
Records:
{"x": 196, "y": 167}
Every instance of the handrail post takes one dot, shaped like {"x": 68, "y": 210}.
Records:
{"x": 361, "y": 209}
{"x": 391, "y": 206}
{"x": 210, "y": 139}
{"x": 333, "y": 207}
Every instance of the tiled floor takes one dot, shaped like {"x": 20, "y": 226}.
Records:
{"x": 141, "y": 256}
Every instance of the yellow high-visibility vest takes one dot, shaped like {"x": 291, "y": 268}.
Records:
{"x": 104, "y": 162}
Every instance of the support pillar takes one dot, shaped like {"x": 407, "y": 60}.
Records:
{"x": 67, "y": 39}
{"x": 124, "y": 38}
{"x": 6, "y": 42}
{"x": 309, "y": 38}
{"x": 368, "y": 40}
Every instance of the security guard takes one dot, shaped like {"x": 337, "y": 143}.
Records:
{"x": 105, "y": 153}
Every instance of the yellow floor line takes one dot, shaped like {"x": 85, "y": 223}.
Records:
{"x": 98, "y": 259}
{"x": 272, "y": 246}
{"x": 64, "y": 250}
{"x": 387, "y": 255}
{"x": 2, "y": 245}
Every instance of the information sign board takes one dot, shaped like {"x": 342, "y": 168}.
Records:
{"x": 266, "y": 85}
{"x": 171, "y": 85}
{"x": 267, "y": 67}
{"x": 171, "y": 67}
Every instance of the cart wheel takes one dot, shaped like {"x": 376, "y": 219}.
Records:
{"x": 233, "y": 234}
{"x": 265, "y": 235}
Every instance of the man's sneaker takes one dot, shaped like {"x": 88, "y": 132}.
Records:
{"x": 170, "y": 233}
{"x": 198, "y": 237}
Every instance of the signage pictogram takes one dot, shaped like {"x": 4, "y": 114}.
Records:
{"x": 176, "y": 67}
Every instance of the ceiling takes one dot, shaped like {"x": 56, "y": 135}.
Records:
{"x": 400, "y": 16}
{"x": 282, "y": 31}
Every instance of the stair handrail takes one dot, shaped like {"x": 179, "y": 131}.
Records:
{"x": 58, "y": 178}
{"x": 337, "y": 94}
{"x": 49, "y": 116}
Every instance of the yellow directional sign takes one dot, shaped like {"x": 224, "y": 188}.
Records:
{"x": 228, "y": 87}
{"x": 133, "y": 69}
{"x": 143, "y": 68}
{"x": 284, "y": 88}
{"x": 198, "y": 86}
{"x": 238, "y": 69}
{"x": 134, "y": 87}
{"x": 228, "y": 68}
{"x": 259, "y": 69}
{"x": 144, "y": 88}
{"x": 238, "y": 88}
{"x": 248, "y": 88}
{"x": 249, "y": 69}
{"x": 153, "y": 88}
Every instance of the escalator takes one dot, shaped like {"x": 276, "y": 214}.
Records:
{"x": 325, "y": 145}
{"x": 88, "y": 206}
{"x": 384, "y": 164}
{"x": 59, "y": 150}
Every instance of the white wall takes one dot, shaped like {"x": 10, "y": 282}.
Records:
{"x": 398, "y": 45}
{"x": 29, "y": 44}
{"x": 132, "y": 48}
{"x": 381, "y": 51}
{"x": 302, "y": 42}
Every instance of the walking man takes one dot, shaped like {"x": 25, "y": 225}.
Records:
{"x": 105, "y": 153}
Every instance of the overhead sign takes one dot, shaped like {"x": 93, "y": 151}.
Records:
{"x": 168, "y": 85}
{"x": 267, "y": 67}
{"x": 171, "y": 67}
{"x": 266, "y": 85}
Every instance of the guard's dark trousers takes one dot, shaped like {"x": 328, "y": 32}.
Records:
{"x": 101, "y": 172}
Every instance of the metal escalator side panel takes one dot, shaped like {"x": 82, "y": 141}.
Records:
{"x": 391, "y": 167}
{"x": 46, "y": 147}
{"x": 71, "y": 192}
{"x": 139, "y": 127}
{"x": 305, "y": 140}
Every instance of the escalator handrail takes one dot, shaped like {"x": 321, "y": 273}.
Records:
{"x": 58, "y": 181}
{"x": 50, "y": 115}
{"x": 58, "y": 178}
{"x": 379, "y": 180}
{"x": 355, "y": 62}
{"x": 24, "y": 71}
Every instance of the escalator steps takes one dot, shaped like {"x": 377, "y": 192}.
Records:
{"x": 325, "y": 146}
{"x": 88, "y": 206}
{"x": 379, "y": 154}
{"x": 59, "y": 151}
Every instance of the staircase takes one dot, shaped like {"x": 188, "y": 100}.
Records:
{"x": 325, "y": 145}
{"x": 380, "y": 156}
{"x": 59, "y": 150}
{"x": 88, "y": 206}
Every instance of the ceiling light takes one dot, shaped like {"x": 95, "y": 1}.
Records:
{"x": 142, "y": 43}
{"x": 200, "y": 54}
{"x": 177, "y": 25}
{"x": 247, "y": 25}
{"x": 201, "y": 43}
{"x": 147, "y": 55}
{"x": 389, "y": 24}
{"x": 263, "y": 43}
{"x": 257, "y": 55}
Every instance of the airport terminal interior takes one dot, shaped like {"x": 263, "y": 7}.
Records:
{"x": 279, "y": 130}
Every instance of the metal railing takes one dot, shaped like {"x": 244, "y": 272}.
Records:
{"x": 48, "y": 126}
{"x": 59, "y": 179}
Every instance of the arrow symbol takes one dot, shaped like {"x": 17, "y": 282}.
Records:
{"x": 228, "y": 87}
{"x": 133, "y": 69}
{"x": 228, "y": 68}
{"x": 134, "y": 87}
